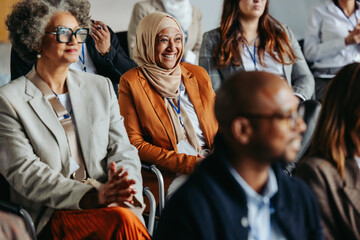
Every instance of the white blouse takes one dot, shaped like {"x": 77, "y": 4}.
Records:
{"x": 324, "y": 42}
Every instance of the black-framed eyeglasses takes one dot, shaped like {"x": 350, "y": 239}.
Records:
{"x": 64, "y": 34}
{"x": 292, "y": 118}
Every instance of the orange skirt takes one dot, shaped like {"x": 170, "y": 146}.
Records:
{"x": 105, "y": 223}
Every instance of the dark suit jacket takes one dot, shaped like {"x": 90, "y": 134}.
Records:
{"x": 339, "y": 200}
{"x": 112, "y": 65}
{"x": 212, "y": 205}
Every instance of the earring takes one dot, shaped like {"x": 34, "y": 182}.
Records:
{"x": 38, "y": 55}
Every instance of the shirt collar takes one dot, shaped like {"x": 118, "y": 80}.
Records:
{"x": 270, "y": 189}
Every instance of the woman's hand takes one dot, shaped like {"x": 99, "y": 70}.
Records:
{"x": 102, "y": 37}
{"x": 118, "y": 189}
{"x": 354, "y": 36}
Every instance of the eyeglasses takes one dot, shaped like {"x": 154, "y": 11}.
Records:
{"x": 292, "y": 118}
{"x": 64, "y": 34}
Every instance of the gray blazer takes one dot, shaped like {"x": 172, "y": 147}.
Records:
{"x": 298, "y": 75}
{"x": 35, "y": 157}
{"x": 339, "y": 200}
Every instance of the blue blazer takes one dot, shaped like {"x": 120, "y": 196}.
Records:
{"x": 212, "y": 205}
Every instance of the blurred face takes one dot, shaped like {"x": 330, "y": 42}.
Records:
{"x": 252, "y": 8}
{"x": 279, "y": 138}
{"x": 53, "y": 51}
{"x": 168, "y": 47}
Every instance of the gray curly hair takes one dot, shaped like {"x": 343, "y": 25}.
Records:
{"x": 29, "y": 18}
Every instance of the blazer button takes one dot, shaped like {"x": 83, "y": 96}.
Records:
{"x": 244, "y": 222}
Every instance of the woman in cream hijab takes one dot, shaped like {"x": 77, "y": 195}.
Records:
{"x": 167, "y": 105}
{"x": 189, "y": 17}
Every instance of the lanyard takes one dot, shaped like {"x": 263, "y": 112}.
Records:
{"x": 253, "y": 56}
{"x": 82, "y": 60}
{"x": 177, "y": 110}
{"x": 348, "y": 18}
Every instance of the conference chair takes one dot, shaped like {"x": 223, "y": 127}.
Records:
{"x": 15, "y": 209}
{"x": 311, "y": 115}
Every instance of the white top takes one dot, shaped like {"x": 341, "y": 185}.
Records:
{"x": 324, "y": 42}
{"x": 189, "y": 108}
{"x": 86, "y": 63}
{"x": 270, "y": 64}
{"x": 357, "y": 159}
{"x": 262, "y": 225}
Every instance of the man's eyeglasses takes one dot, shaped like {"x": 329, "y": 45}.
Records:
{"x": 292, "y": 118}
{"x": 64, "y": 34}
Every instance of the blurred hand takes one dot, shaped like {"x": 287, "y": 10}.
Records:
{"x": 354, "y": 36}
{"x": 101, "y": 35}
{"x": 118, "y": 189}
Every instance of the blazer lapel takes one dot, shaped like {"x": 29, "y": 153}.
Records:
{"x": 158, "y": 105}
{"x": 192, "y": 88}
{"x": 46, "y": 114}
{"x": 78, "y": 98}
{"x": 352, "y": 183}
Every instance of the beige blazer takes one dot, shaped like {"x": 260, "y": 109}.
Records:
{"x": 35, "y": 154}
{"x": 144, "y": 8}
{"x": 339, "y": 200}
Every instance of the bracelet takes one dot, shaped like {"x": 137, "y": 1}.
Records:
{"x": 105, "y": 52}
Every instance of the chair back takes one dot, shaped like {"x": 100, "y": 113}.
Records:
{"x": 122, "y": 36}
{"x": 21, "y": 212}
{"x": 312, "y": 113}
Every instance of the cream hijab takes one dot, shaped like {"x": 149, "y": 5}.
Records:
{"x": 165, "y": 81}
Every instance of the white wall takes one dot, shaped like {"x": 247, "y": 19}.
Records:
{"x": 117, "y": 13}
{"x": 293, "y": 13}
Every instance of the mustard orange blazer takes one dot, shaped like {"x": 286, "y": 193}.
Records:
{"x": 148, "y": 124}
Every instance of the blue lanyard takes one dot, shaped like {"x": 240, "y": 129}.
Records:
{"x": 177, "y": 110}
{"x": 253, "y": 56}
{"x": 82, "y": 60}
{"x": 348, "y": 18}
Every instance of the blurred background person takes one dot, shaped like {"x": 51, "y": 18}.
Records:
{"x": 66, "y": 154}
{"x": 332, "y": 167}
{"x": 250, "y": 39}
{"x": 188, "y": 16}
{"x": 332, "y": 40}
{"x": 167, "y": 104}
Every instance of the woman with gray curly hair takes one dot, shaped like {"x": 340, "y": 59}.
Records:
{"x": 66, "y": 154}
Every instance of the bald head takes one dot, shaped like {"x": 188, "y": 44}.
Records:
{"x": 249, "y": 92}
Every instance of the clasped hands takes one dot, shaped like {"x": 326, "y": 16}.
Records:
{"x": 354, "y": 36}
{"x": 118, "y": 189}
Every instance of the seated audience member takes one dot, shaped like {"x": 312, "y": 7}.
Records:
{"x": 100, "y": 54}
{"x": 239, "y": 191}
{"x": 12, "y": 227}
{"x": 65, "y": 151}
{"x": 332, "y": 167}
{"x": 249, "y": 39}
{"x": 168, "y": 106}
{"x": 332, "y": 40}
{"x": 188, "y": 16}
